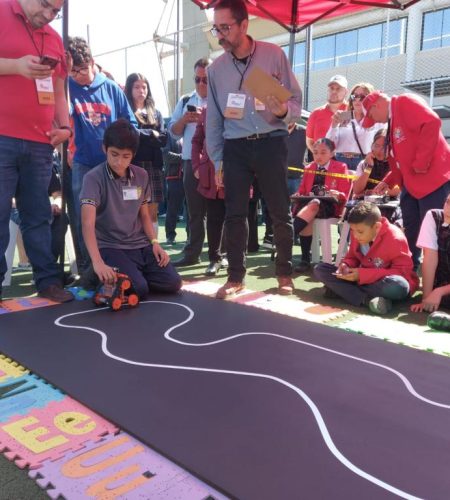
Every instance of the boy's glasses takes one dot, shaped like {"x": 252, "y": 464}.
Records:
{"x": 223, "y": 29}
{"x": 82, "y": 71}
{"x": 361, "y": 97}
{"x": 202, "y": 79}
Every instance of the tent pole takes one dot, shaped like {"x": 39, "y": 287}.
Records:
{"x": 64, "y": 174}
{"x": 308, "y": 58}
{"x": 291, "y": 48}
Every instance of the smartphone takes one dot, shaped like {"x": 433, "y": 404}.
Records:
{"x": 49, "y": 61}
{"x": 191, "y": 108}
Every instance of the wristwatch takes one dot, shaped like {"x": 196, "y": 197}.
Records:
{"x": 66, "y": 127}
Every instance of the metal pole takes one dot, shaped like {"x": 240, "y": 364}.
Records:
{"x": 177, "y": 55}
{"x": 308, "y": 59}
{"x": 64, "y": 174}
{"x": 432, "y": 94}
{"x": 291, "y": 49}
{"x": 126, "y": 62}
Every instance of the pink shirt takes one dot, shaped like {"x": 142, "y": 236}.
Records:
{"x": 21, "y": 115}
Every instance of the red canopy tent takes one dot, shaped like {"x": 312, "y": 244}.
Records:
{"x": 296, "y": 15}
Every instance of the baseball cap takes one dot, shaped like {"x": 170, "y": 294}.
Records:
{"x": 368, "y": 102}
{"x": 340, "y": 80}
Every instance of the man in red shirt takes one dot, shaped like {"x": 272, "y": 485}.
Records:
{"x": 419, "y": 157}
{"x": 33, "y": 120}
{"x": 320, "y": 119}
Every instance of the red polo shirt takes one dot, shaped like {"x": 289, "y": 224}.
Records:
{"x": 319, "y": 122}
{"x": 21, "y": 115}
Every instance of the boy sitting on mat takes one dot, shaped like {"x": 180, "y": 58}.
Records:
{"x": 378, "y": 267}
{"x": 434, "y": 238}
{"x": 117, "y": 228}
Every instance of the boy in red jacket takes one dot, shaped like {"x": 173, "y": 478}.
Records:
{"x": 378, "y": 267}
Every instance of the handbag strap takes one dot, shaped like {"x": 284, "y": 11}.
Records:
{"x": 355, "y": 135}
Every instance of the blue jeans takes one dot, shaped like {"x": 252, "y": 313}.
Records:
{"x": 78, "y": 172}
{"x": 392, "y": 287}
{"x": 351, "y": 163}
{"x": 25, "y": 172}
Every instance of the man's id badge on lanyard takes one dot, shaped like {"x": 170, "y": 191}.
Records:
{"x": 235, "y": 106}
{"x": 45, "y": 92}
{"x": 130, "y": 193}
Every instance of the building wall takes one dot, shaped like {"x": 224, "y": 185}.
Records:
{"x": 387, "y": 74}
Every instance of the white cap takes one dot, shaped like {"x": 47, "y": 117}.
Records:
{"x": 340, "y": 80}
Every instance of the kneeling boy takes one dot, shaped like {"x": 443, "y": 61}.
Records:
{"x": 115, "y": 217}
{"x": 378, "y": 267}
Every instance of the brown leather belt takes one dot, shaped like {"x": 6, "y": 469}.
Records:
{"x": 350, "y": 155}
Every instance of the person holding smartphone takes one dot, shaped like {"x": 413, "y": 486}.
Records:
{"x": 32, "y": 101}
{"x": 182, "y": 126}
{"x": 352, "y": 140}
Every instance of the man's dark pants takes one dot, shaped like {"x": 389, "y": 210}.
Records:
{"x": 175, "y": 200}
{"x": 267, "y": 160}
{"x": 413, "y": 212}
{"x": 196, "y": 204}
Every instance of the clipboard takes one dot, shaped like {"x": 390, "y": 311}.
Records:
{"x": 260, "y": 84}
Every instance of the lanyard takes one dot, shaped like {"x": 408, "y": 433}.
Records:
{"x": 242, "y": 73}
{"x": 40, "y": 52}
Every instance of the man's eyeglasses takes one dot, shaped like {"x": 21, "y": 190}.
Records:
{"x": 82, "y": 71}
{"x": 223, "y": 29}
{"x": 361, "y": 97}
{"x": 202, "y": 79}
{"x": 56, "y": 13}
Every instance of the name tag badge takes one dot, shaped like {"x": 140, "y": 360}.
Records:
{"x": 130, "y": 193}
{"x": 45, "y": 92}
{"x": 235, "y": 106}
{"x": 259, "y": 105}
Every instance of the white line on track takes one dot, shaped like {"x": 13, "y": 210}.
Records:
{"x": 317, "y": 415}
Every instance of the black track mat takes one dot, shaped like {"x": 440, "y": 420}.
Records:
{"x": 258, "y": 416}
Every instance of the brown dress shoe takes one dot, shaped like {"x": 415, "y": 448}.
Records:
{"x": 285, "y": 285}
{"x": 56, "y": 293}
{"x": 230, "y": 289}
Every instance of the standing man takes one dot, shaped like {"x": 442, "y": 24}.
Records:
{"x": 320, "y": 119}
{"x": 250, "y": 138}
{"x": 419, "y": 157}
{"x": 33, "y": 120}
{"x": 182, "y": 125}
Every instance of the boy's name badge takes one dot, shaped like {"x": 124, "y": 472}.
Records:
{"x": 259, "y": 105}
{"x": 235, "y": 106}
{"x": 45, "y": 92}
{"x": 130, "y": 193}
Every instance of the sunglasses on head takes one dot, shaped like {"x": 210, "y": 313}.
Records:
{"x": 203, "y": 79}
{"x": 353, "y": 97}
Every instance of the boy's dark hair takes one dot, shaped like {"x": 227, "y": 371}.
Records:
{"x": 121, "y": 135}
{"x": 379, "y": 133}
{"x": 204, "y": 62}
{"x": 238, "y": 9}
{"x": 327, "y": 142}
{"x": 364, "y": 212}
{"x": 79, "y": 50}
